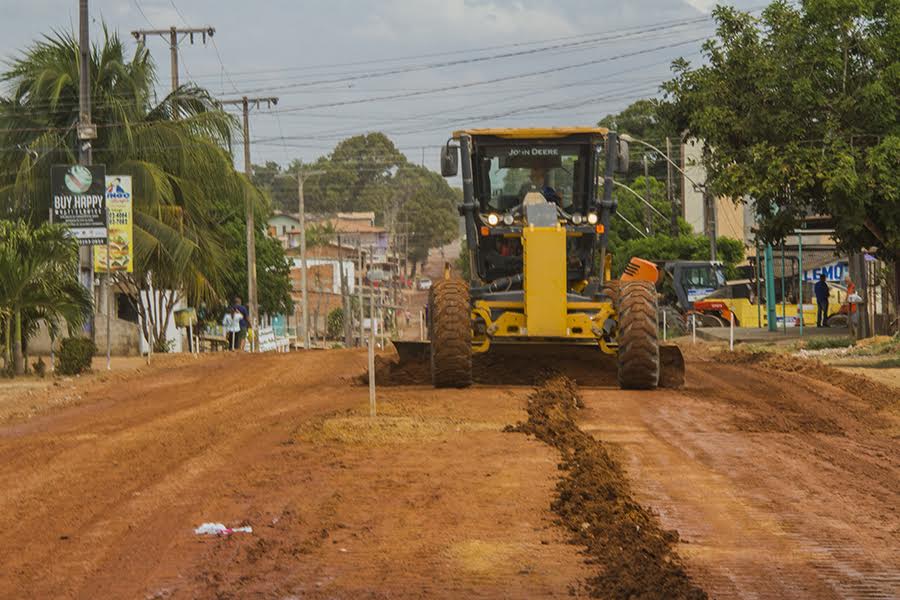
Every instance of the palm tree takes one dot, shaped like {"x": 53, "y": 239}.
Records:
{"x": 184, "y": 179}
{"x": 38, "y": 281}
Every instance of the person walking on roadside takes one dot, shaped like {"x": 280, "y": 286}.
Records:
{"x": 231, "y": 323}
{"x": 821, "y": 290}
{"x": 851, "y": 290}
{"x": 243, "y": 321}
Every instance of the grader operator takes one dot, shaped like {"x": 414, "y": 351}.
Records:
{"x": 536, "y": 236}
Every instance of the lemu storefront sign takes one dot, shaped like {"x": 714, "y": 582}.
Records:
{"x": 79, "y": 201}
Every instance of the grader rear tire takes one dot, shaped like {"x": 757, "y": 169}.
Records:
{"x": 450, "y": 333}
{"x": 638, "y": 356}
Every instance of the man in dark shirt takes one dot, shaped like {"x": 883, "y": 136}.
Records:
{"x": 821, "y": 289}
{"x": 245, "y": 320}
{"x": 537, "y": 180}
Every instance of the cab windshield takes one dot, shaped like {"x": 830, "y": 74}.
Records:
{"x": 508, "y": 173}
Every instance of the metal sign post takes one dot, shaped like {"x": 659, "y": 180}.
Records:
{"x": 731, "y": 332}
{"x": 108, "y": 303}
{"x": 800, "y": 269}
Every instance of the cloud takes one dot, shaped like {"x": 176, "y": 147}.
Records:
{"x": 704, "y": 6}
{"x": 483, "y": 20}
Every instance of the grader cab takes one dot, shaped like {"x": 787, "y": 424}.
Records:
{"x": 539, "y": 283}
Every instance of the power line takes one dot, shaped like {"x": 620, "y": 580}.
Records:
{"x": 412, "y": 93}
{"x": 445, "y": 64}
{"x": 360, "y": 87}
{"x": 490, "y": 81}
{"x": 470, "y": 50}
{"x": 143, "y": 14}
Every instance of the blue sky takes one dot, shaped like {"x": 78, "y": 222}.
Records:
{"x": 343, "y": 67}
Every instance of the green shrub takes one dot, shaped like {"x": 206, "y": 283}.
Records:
{"x": 334, "y": 328}
{"x": 829, "y": 342}
{"x": 75, "y": 354}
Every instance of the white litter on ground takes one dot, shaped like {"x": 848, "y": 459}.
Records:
{"x": 826, "y": 352}
{"x": 220, "y": 529}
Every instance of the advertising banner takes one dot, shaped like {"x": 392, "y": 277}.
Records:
{"x": 833, "y": 272}
{"x": 119, "y": 208}
{"x": 79, "y": 201}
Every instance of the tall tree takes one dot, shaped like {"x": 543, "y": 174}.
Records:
{"x": 355, "y": 175}
{"x": 425, "y": 209}
{"x": 642, "y": 119}
{"x": 368, "y": 173}
{"x": 279, "y": 185}
{"x": 185, "y": 188}
{"x": 799, "y": 111}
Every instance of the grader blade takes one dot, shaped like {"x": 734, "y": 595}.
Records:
{"x": 408, "y": 351}
{"x": 525, "y": 363}
{"x": 671, "y": 366}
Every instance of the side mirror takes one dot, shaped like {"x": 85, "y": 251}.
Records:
{"x": 449, "y": 160}
{"x": 622, "y": 157}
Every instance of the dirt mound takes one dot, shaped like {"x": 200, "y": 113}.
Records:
{"x": 636, "y": 557}
{"x": 877, "y": 395}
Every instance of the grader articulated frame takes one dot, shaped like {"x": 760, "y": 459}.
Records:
{"x": 539, "y": 274}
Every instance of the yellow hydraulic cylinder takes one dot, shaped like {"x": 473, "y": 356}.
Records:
{"x": 545, "y": 280}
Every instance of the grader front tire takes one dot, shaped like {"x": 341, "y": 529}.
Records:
{"x": 611, "y": 290}
{"x": 451, "y": 334}
{"x": 638, "y": 355}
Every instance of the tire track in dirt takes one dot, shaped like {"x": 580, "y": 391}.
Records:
{"x": 781, "y": 485}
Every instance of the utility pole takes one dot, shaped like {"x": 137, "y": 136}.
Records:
{"x": 648, "y": 216}
{"x": 172, "y": 34}
{"x": 670, "y": 195}
{"x": 87, "y": 132}
{"x": 252, "y": 295}
{"x": 345, "y": 298}
{"x": 362, "y": 300}
{"x": 710, "y": 202}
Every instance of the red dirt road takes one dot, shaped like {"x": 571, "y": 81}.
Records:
{"x": 100, "y": 501}
{"x": 780, "y": 486}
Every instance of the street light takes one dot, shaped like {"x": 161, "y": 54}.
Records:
{"x": 709, "y": 204}
{"x": 639, "y": 197}
{"x": 631, "y": 139}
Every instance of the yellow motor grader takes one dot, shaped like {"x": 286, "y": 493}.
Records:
{"x": 537, "y": 221}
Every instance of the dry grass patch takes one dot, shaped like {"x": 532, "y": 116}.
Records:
{"x": 485, "y": 558}
{"x": 389, "y": 429}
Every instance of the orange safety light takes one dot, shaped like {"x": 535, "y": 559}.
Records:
{"x": 485, "y": 231}
{"x": 600, "y": 228}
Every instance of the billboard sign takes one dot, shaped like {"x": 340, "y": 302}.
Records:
{"x": 79, "y": 201}
{"x": 833, "y": 272}
{"x": 119, "y": 209}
